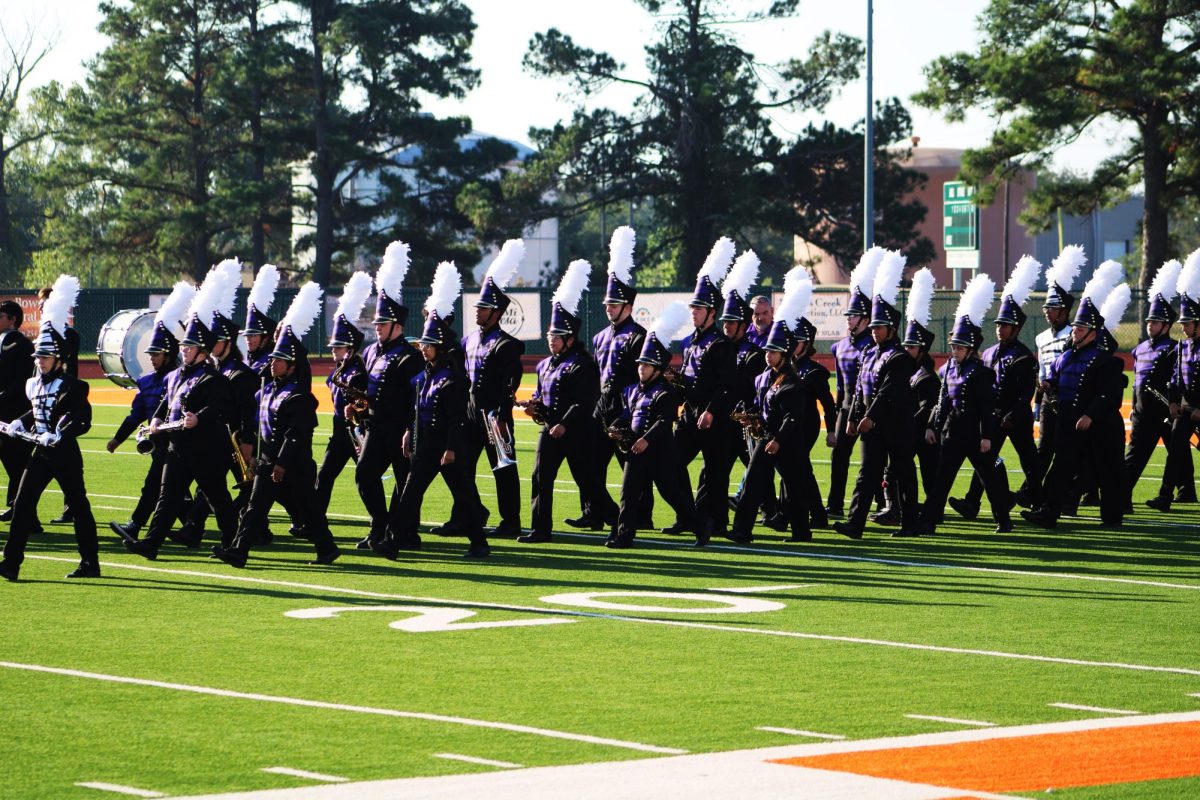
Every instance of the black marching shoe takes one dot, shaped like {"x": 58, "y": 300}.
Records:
{"x": 964, "y": 507}
{"x": 447, "y": 529}
{"x": 889, "y": 517}
{"x": 676, "y": 528}
{"x": 834, "y": 513}
{"x": 740, "y": 537}
{"x": 126, "y": 530}
{"x": 478, "y": 550}
{"x": 187, "y": 535}
{"x": 142, "y": 548}
{"x": 1040, "y": 518}
{"x": 778, "y": 522}
{"x": 911, "y": 532}
{"x": 6, "y": 515}
{"x": 507, "y": 529}
{"x": 86, "y": 569}
{"x": 537, "y": 537}
{"x": 705, "y": 533}
{"x": 1023, "y": 497}
{"x": 583, "y": 522}
{"x": 381, "y": 547}
{"x": 1005, "y": 526}
{"x": 1187, "y": 495}
{"x": 326, "y": 556}
{"x": 234, "y": 558}
{"x": 618, "y": 542}
{"x": 802, "y": 536}
{"x": 847, "y": 530}
{"x": 9, "y": 570}
{"x": 298, "y": 531}
{"x": 65, "y": 518}
{"x": 1159, "y": 503}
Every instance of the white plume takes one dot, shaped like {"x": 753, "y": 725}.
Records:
{"x": 862, "y": 277}
{"x": 390, "y": 277}
{"x": 57, "y": 308}
{"x": 920, "y": 297}
{"x": 1065, "y": 268}
{"x": 354, "y": 296}
{"x": 670, "y": 322}
{"x": 208, "y": 297}
{"x": 976, "y": 299}
{"x": 262, "y": 293}
{"x": 741, "y": 275}
{"x": 231, "y": 278}
{"x": 888, "y": 275}
{"x": 445, "y": 289}
{"x": 173, "y": 311}
{"x": 793, "y": 277}
{"x": 1103, "y": 281}
{"x": 796, "y": 298}
{"x": 1189, "y": 279}
{"x": 1114, "y": 306}
{"x": 1022, "y": 280}
{"x": 305, "y": 308}
{"x": 1166, "y": 280}
{"x": 504, "y": 266}
{"x": 718, "y": 261}
{"x": 620, "y": 254}
{"x": 573, "y": 284}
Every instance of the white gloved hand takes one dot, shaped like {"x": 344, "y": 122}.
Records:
{"x": 46, "y": 439}
{"x": 15, "y": 427}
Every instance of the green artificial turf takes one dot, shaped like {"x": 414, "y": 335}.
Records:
{"x": 672, "y": 678}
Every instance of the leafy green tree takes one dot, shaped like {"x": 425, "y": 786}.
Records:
{"x": 699, "y": 141}
{"x": 1049, "y": 71}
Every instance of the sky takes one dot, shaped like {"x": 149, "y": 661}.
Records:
{"x": 508, "y": 101}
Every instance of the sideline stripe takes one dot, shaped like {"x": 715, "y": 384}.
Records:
{"x": 385, "y": 712}
{"x": 487, "y": 762}
{"x": 755, "y": 589}
{"x": 951, "y": 720}
{"x": 643, "y": 620}
{"x": 1098, "y": 710}
{"x": 300, "y": 773}
{"x": 795, "y": 732}
{"x": 119, "y": 789}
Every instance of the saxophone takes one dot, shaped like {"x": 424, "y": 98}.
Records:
{"x": 359, "y": 405}
{"x": 244, "y": 469}
{"x": 750, "y": 421}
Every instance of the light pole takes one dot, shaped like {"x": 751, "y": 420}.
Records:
{"x": 869, "y": 144}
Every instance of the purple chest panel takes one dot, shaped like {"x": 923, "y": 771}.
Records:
{"x": 957, "y": 377}
{"x": 608, "y": 344}
{"x": 550, "y": 372}
{"x": 694, "y": 348}
{"x": 338, "y": 395}
{"x": 428, "y": 385}
{"x": 998, "y": 357}
{"x": 873, "y": 362}
{"x": 1189, "y": 365}
{"x": 1147, "y": 354}
{"x": 745, "y": 349}
{"x": 847, "y": 354}
{"x": 478, "y": 346}
{"x": 377, "y": 360}
{"x": 640, "y": 402}
{"x": 179, "y": 384}
{"x": 269, "y": 402}
{"x": 1069, "y": 370}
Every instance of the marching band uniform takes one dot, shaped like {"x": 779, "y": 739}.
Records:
{"x": 259, "y": 324}
{"x": 926, "y": 387}
{"x": 1185, "y": 394}
{"x": 287, "y": 417}
{"x": 749, "y": 363}
{"x": 814, "y": 381}
{"x": 780, "y": 404}
{"x": 1050, "y": 345}
{"x": 847, "y": 357}
{"x": 1153, "y": 368}
{"x": 649, "y": 410}
{"x": 15, "y": 353}
{"x": 199, "y": 454}
{"x": 567, "y": 390}
{"x": 59, "y": 414}
{"x": 340, "y": 448}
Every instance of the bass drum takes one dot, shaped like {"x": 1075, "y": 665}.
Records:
{"x": 122, "y": 340}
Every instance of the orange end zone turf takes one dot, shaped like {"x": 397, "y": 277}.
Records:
{"x": 1033, "y": 763}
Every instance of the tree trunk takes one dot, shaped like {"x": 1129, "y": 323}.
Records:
{"x": 324, "y": 170}
{"x": 1155, "y": 163}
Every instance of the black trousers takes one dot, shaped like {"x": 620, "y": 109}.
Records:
{"x": 1022, "y": 441}
{"x": 576, "y": 449}
{"x": 381, "y": 449}
{"x": 796, "y": 477}
{"x": 14, "y": 455}
{"x": 839, "y": 464}
{"x": 208, "y": 470}
{"x": 719, "y": 446}
{"x": 954, "y": 451}
{"x": 339, "y": 451}
{"x": 605, "y": 449}
{"x": 148, "y": 498}
{"x": 425, "y": 466}
{"x": 196, "y": 515}
{"x": 302, "y": 504}
{"x": 508, "y": 482}
{"x": 1100, "y": 446}
{"x": 880, "y": 447}
{"x": 62, "y": 463}
{"x": 659, "y": 466}
{"x": 1179, "y": 469}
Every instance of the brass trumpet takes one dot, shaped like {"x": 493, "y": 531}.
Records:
{"x": 144, "y": 444}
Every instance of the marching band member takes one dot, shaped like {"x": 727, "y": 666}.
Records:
{"x": 494, "y": 369}
{"x": 1153, "y": 366}
{"x": 345, "y": 342}
{"x": 163, "y": 349}
{"x": 1184, "y": 393}
{"x": 818, "y": 402}
{"x": 925, "y": 384}
{"x": 391, "y": 364}
{"x": 15, "y": 352}
{"x": 707, "y": 380}
{"x": 650, "y": 407}
{"x": 847, "y": 357}
{"x": 60, "y": 413}
{"x": 197, "y": 405}
{"x": 287, "y": 417}
{"x": 260, "y": 329}
{"x": 881, "y": 411}
{"x": 963, "y": 421}
{"x": 564, "y": 400}
{"x": 435, "y": 434}
{"x": 1015, "y": 370}
{"x": 70, "y": 359}
{"x": 616, "y": 348}
{"x": 1086, "y": 386}
{"x": 779, "y": 442}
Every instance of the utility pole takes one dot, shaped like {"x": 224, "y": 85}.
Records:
{"x": 869, "y": 142}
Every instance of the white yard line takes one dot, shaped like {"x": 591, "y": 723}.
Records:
{"x": 119, "y": 789}
{"x": 487, "y": 762}
{"x": 301, "y": 773}
{"x": 755, "y": 589}
{"x": 795, "y": 732}
{"x": 974, "y": 723}
{"x": 385, "y": 712}
{"x": 1095, "y": 709}
{"x": 323, "y": 590}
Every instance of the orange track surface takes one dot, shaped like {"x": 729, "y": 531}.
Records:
{"x": 1034, "y": 763}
